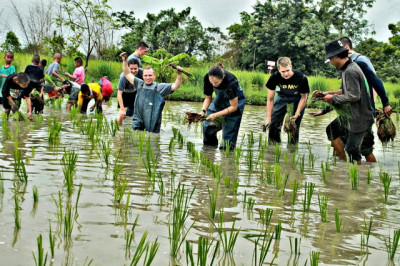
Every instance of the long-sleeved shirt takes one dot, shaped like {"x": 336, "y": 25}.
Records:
{"x": 355, "y": 92}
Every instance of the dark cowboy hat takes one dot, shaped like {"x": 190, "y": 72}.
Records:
{"x": 333, "y": 48}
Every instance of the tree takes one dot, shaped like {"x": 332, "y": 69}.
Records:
{"x": 89, "y": 22}
{"x": 177, "y": 32}
{"x": 298, "y": 29}
{"x": 11, "y": 43}
{"x": 36, "y": 26}
{"x": 385, "y": 56}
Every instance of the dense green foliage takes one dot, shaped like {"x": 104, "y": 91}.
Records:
{"x": 177, "y": 32}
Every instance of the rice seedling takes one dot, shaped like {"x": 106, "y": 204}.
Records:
{"x": 323, "y": 172}
{"x": 366, "y": 231}
{"x": 17, "y": 219}
{"x": 353, "y": 172}
{"x": 140, "y": 249}
{"x": 227, "y": 148}
{"x": 77, "y": 199}
{"x": 54, "y": 130}
{"x": 338, "y": 221}
{"x": 114, "y": 128}
{"x": 68, "y": 161}
{"x": 228, "y": 242}
{"x": 278, "y": 151}
{"x": 250, "y": 204}
{"x": 151, "y": 252}
{"x": 295, "y": 187}
{"x": 161, "y": 186}
{"x": 204, "y": 246}
{"x": 130, "y": 236}
{"x": 212, "y": 196}
{"x": 314, "y": 258}
{"x": 51, "y": 241}
{"x": 391, "y": 246}
{"x": 386, "y": 180}
{"x": 295, "y": 247}
{"x": 227, "y": 182}
{"x": 293, "y": 161}
{"x": 119, "y": 190}
{"x": 1, "y": 184}
{"x": 308, "y": 192}
{"x": 59, "y": 206}
{"x": 268, "y": 173}
{"x": 265, "y": 244}
{"x": 323, "y": 207}
{"x": 38, "y": 121}
{"x": 285, "y": 158}
{"x": 278, "y": 230}
{"x": 283, "y": 186}
{"x": 277, "y": 175}
{"x": 302, "y": 164}
{"x": 6, "y": 131}
{"x": 106, "y": 152}
{"x": 69, "y": 221}
{"x": 249, "y": 159}
{"x": 238, "y": 153}
{"x": 180, "y": 212}
{"x": 41, "y": 260}
{"x": 19, "y": 165}
{"x": 235, "y": 186}
{"x": 35, "y": 194}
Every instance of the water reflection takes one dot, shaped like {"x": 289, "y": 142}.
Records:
{"x": 152, "y": 165}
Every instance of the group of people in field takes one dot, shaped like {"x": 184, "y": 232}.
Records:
{"x": 141, "y": 98}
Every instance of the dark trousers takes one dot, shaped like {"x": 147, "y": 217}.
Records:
{"x": 278, "y": 115}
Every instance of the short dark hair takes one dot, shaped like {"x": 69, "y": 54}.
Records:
{"x": 22, "y": 77}
{"x": 36, "y": 59}
{"x": 43, "y": 62}
{"x": 84, "y": 88}
{"x": 9, "y": 52}
{"x": 142, "y": 45}
{"x": 217, "y": 71}
{"x": 346, "y": 41}
{"x": 133, "y": 61}
{"x": 343, "y": 54}
{"x": 79, "y": 60}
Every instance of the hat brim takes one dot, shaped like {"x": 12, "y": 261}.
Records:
{"x": 335, "y": 52}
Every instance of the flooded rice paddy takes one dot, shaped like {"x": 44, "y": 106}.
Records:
{"x": 110, "y": 196}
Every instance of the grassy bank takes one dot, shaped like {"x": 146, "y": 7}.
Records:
{"x": 253, "y": 83}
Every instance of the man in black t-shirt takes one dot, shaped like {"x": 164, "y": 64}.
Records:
{"x": 292, "y": 88}
{"x": 18, "y": 87}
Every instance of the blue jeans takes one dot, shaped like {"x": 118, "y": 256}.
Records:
{"x": 353, "y": 145}
{"x": 278, "y": 114}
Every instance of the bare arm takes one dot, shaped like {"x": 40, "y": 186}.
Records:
{"x": 230, "y": 109}
{"x": 178, "y": 82}
{"x": 56, "y": 75}
{"x": 300, "y": 106}
{"x": 206, "y": 104}
{"x": 125, "y": 69}
{"x": 120, "y": 101}
{"x": 269, "y": 106}
{"x": 28, "y": 103}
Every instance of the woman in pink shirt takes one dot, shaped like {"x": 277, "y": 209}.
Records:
{"x": 79, "y": 73}
{"x": 106, "y": 88}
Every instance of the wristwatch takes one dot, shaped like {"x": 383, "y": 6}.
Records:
{"x": 204, "y": 111}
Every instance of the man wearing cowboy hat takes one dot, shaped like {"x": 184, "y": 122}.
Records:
{"x": 354, "y": 92}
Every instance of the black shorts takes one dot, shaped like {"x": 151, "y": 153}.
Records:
{"x": 336, "y": 129}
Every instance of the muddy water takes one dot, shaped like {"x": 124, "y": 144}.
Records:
{"x": 99, "y": 229}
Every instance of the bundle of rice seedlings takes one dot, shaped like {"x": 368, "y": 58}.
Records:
{"x": 343, "y": 111}
{"x": 18, "y": 116}
{"x": 195, "y": 118}
{"x": 48, "y": 79}
{"x": 385, "y": 126}
{"x": 290, "y": 126}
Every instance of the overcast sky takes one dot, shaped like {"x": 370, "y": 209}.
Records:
{"x": 223, "y": 13}
{"x": 220, "y": 13}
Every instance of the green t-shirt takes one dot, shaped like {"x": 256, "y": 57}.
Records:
{"x": 5, "y": 71}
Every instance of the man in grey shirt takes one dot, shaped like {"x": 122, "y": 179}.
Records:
{"x": 149, "y": 101}
{"x": 141, "y": 49}
{"x": 355, "y": 92}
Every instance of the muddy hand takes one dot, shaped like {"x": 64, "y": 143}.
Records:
{"x": 123, "y": 55}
